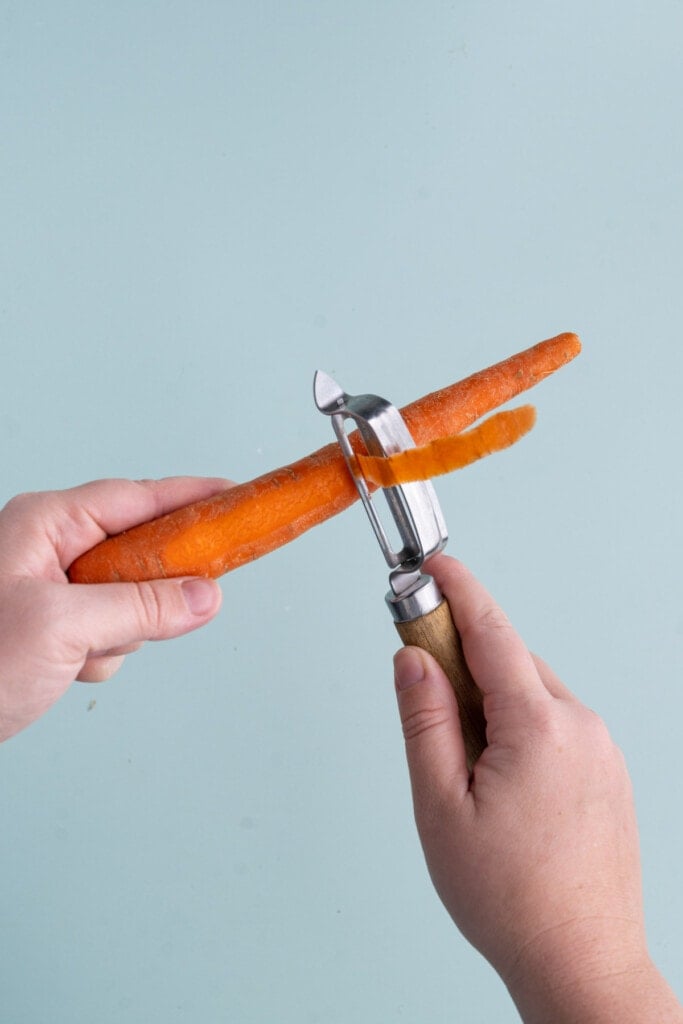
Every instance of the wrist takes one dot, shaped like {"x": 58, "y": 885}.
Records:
{"x": 591, "y": 972}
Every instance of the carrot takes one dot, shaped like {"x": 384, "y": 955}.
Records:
{"x": 220, "y": 533}
{"x": 448, "y": 453}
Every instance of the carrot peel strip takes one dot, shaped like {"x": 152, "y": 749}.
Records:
{"x": 445, "y": 454}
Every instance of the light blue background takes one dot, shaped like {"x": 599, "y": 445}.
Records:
{"x": 201, "y": 203}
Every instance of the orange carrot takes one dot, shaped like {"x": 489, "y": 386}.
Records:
{"x": 220, "y": 533}
{"x": 448, "y": 453}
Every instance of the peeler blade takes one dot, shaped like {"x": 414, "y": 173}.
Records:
{"x": 413, "y": 507}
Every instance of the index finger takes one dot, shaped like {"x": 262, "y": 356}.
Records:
{"x": 500, "y": 663}
{"x": 111, "y": 506}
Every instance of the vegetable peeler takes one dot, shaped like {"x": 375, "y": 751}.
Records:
{"x": 420, "y": 612}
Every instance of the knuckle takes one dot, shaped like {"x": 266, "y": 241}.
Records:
{"x": 151, "y": 609}
{"x": 20, "y": 502}
{"x": 492, "y": 619}
{"x": 601, "y": 740}
{"x": 489, "y": 622}
{"x": 423, "y": 720}
{"x": 541, "y": 714}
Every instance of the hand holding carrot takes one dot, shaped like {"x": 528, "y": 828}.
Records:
{"x": 536, "y": 856}
{"x": 52, "y": 633}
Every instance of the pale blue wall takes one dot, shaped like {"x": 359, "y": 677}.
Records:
{"x": 201, "y": 203}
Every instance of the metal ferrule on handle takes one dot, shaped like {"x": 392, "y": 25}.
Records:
{"x": 419, "y": 599}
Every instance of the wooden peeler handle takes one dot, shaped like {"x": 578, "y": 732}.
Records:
{"x": 435, "y": 632}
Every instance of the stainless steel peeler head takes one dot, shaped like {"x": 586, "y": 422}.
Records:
{"x": 413, "y": 507}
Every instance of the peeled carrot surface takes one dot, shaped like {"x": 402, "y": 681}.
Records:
{"x": 220, "y": 533}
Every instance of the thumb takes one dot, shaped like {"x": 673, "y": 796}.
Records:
{"x": 111, "y": 615}
{"x": 435, "y": 748}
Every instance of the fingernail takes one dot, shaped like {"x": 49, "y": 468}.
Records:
{"x": 408, "y": 668}
{"x": 200, "y": 595}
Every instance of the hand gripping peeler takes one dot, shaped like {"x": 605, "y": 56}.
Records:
{"x": 420, "y": 612}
